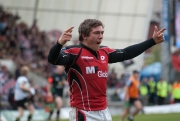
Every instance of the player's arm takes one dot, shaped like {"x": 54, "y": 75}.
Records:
{"x": 130, "y": 52}
{"x": 135, "y": 50}
{"x": 128, "y": 84}
{"x": 64, "y": 80}
{"x": 49, "y": 86}
{"x": 58, "y": 56}
{"x": 22, "y": 87}
{"x": 27, "y": 89}
{"x": 126, "y": 93}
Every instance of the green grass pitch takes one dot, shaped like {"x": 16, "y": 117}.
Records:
{"x": 151, "y": 117}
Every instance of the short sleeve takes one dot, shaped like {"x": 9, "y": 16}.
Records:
{"x": 128, "y": 83}
{"x": 50, "y": 80}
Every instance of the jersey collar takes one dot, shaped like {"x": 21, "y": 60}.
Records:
{"x": 92, "y": 51}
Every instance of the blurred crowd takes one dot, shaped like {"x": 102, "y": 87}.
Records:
{"x": 25, "y": 45}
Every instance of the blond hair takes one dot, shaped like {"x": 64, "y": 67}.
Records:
{"x": 24, "y": 70}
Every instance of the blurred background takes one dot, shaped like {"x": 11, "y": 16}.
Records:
{"x": 29, "y": 28}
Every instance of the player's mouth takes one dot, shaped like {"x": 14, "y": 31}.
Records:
{"x": 98, "y": 42}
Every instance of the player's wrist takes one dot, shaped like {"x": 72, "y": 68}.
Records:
{"x": 60, "y": 43}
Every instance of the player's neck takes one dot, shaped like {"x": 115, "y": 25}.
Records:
{"x": 94, "y": 47}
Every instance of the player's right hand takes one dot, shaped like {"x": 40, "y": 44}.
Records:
{"x": 66, "y": 36}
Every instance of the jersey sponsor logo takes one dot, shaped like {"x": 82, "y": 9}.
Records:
{"x": 102, "y": 74}
{"x": 88, "y": 60}
{"x": 91, "y": 69}
{"x": 94, "y": 69}
{"x": 102, "y": 57}
{"x": 86, "y": 57}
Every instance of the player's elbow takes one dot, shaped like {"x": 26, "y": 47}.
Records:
{"x": 51, "y": 60}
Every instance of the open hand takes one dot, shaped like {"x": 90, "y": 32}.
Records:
{"x": 66, "y": 36}
{"x": 158, "y": 36}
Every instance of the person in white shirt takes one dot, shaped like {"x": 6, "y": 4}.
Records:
{"x": 24, "y": 94}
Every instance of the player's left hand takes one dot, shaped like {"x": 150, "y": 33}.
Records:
{"x": 158, "y": 36}
{"x": 66, "y": 36}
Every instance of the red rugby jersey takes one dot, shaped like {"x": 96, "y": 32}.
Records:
{"x": 87, "y": 70}
{"x": 87, "y": 78}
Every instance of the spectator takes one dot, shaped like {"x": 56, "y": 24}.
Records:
{"x": 151, "y": 91}
{"x": 162, "y": 91}
{"x": 176, "y": 91}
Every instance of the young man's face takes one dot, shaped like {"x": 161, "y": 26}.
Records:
{"x": 95, "y": 38}
{"x": 136, "y": 75}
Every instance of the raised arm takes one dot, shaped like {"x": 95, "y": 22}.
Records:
{"x": 135, "y": 50}
{"x": 57, "y": 56}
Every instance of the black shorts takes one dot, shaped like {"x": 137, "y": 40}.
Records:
{"x": 58, "y": 93}
{"x": 24, "y": 102}
{"x": 132, "y": 100}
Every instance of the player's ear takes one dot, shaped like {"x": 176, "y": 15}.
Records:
{"x": 84, "y": 37}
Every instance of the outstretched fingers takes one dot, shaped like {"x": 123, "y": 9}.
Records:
{"x": 161, "y": 35}
{"x": 161, "y": 31}
{"x": 68, "y": 34}
{"x": 69, "y": 30}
